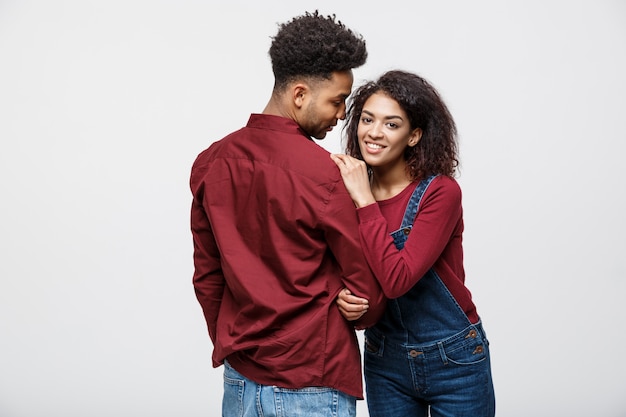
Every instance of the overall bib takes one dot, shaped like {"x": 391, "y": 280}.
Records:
{"x": 424, "y": 354}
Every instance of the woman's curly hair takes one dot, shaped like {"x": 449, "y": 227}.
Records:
{"x": 315, "y": 46}
{"x": 437, "y": 151}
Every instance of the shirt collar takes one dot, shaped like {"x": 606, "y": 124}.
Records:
{"x": 272, "y": 122}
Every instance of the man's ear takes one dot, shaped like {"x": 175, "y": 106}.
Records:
{"x": 299, "y": 92}
{"x": 415, "y": 137}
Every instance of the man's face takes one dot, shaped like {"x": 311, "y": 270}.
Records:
{"x": 325, "y": 104}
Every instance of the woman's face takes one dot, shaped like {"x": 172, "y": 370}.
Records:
{"x": 384, "y": 132}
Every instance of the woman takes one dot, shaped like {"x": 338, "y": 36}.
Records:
{"x": 429, "y": 353}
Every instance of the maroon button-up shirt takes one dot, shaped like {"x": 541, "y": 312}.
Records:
{"x": 275, "y": 239}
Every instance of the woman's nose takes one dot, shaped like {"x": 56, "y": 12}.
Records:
{"x": 375, "y": 130}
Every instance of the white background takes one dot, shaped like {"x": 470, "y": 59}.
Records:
{"x": 105, "y": 104}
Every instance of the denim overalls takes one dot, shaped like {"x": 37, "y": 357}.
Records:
{"x": 424, "y": 352}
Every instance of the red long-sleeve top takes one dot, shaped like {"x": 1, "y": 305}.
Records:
{"x": 435, "y": 241}
{"x": 275, "y": 239}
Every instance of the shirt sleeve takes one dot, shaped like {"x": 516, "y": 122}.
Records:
{"x": 342, "y": 235}
{"x": 398, "y": 271}
{"x": 208, "y": 278}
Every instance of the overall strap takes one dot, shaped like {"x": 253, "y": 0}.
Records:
{"x": 414, "y": 202}
{"x": 400, "y": 236}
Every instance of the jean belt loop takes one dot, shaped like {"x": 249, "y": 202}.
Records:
{"x": 442, "y": 352}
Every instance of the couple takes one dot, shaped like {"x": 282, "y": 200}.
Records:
{"x": 286, "y": 268}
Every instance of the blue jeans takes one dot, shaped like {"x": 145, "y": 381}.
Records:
{"x": 450, "y": 378}
{"x": 246, "y": 398}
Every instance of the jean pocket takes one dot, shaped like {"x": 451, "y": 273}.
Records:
{"x": 232, "y": 404}
{"x": 374, "y": 343}
{"x": 469, "y": 353}
{"x": 313, "y": 402}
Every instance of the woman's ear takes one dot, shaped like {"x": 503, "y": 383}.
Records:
{"x": 415, "y": 137}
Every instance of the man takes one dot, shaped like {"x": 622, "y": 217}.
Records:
{"x": 276, "y": 237}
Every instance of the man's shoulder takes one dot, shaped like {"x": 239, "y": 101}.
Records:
{"x": 215, "y": 148}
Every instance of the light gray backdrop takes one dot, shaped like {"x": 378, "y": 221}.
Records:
{"x": 105, "y": 104}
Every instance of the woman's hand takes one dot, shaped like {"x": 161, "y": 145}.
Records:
{"x": 350, "y": 306}
{"x": 354, "y": 174}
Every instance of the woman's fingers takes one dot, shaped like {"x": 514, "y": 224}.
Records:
{"x": 355, "y": 178}
{"x": 350, "y": 306}
{"x": 348, "y": 164}
{"x": 339, "y": 160}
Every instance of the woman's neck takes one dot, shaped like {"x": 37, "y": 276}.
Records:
{"x": 387, "y": 184}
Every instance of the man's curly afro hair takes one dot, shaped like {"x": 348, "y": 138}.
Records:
{"x": 313, "y": 45}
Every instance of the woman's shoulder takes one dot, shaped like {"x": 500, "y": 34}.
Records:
{"x": 446, "y": 182}
{"x": 446, "y": 187}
